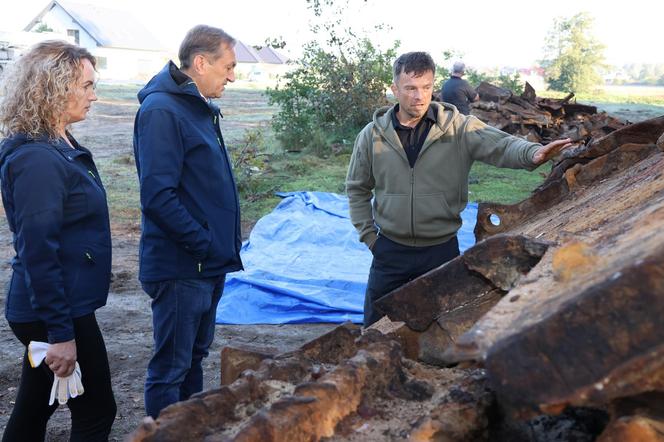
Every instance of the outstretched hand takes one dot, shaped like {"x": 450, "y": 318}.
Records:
{"x": 548, "y": 151}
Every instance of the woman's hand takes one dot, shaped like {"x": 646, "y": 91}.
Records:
{"x": 61, "y": 358}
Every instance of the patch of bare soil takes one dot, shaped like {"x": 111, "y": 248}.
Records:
{"x": 126, "y": 321}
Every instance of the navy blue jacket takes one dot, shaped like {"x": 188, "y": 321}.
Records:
{"x": 56, "y": 209}
{"x": 191, "y": 215}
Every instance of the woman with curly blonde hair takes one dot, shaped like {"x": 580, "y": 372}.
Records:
{"x": 56, "y": 208}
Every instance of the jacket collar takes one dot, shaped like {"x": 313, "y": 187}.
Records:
{"x": 383, "y": 123}
{"x": 65, "y": 149}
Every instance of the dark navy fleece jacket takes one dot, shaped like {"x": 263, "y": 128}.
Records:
{"x": 56, "y": 208}
{"x": 191, "y": 214}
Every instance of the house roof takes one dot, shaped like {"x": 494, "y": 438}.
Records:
{"x": 269, "y": 55}
{"x": 108, "y": 27}
{"x": 245, "y": 53}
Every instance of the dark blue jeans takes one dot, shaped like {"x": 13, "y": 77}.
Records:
{"x": 394, "y": 265}
{"x": 183, "y": 319}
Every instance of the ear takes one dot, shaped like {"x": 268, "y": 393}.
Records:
{"x": 199, "y": 63}
{"x": 394, "y": 89}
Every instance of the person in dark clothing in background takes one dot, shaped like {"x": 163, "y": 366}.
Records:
{"x": 190, "y": 233}
{"x": 56, "y": 209}
{"x": 457, "y": 91}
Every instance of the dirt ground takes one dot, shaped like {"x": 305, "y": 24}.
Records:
{"x": 126, "y": 320}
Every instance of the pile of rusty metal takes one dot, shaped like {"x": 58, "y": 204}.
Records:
{"x": 549, "y": 328}
{"x": 541, "y": 120}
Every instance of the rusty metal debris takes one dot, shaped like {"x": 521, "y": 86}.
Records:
{"x": 541, "y": 120}
{"x": 585, "y": 328}
{"x": 311, "y": 393}
{"x": 441, "y": 305}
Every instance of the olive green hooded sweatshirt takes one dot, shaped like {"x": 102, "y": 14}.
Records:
{"x": 421, "y": 206}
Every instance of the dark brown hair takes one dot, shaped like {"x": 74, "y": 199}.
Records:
{"x": 416, "y": 62}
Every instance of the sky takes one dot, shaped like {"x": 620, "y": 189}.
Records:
{"x": 487, "y": 33}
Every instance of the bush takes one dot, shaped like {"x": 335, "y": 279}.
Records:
{"x": 331, "y": 94}
{"x": 249, "y": 161}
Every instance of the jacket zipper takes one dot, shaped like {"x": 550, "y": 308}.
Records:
{"x": 412, "y": 205}
{"x": 230, "y": 171}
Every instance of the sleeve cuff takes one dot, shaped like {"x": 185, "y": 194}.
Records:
{"x": 64, "y": 334}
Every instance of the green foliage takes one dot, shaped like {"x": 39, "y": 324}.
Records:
{"x": 511, "y": 82}
{"x": 573, "y": 55}
{"x": 333, "y": 90}
{"x": 249, "y": 161}
{"x": 42, "y": 27}
{"x": 442, "y": 71}
{"x": 475, "y": 77}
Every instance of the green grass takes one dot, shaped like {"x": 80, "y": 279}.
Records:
{"x": 289, "y": 172}
{"x": 117, "y": 92}
{"x": 121, "y": 183}
{"x": 617, "y": 94}
{"x": 505, "y": 186}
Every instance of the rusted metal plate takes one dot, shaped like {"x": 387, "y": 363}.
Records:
{"x": 645, "y": 133}
{"x": 609, "y": 155}
{"x": 447, "y": 301}
{"x": 236, "y": 359}
{"x": 529, "y": 93}
{"x": 460, "y": 284}
{"x": 444, "y": 289}
{"x": 575, "y": 355}
{"x": 507, "y": 216}
{"x": 584, "y": 327}
{"x": 489, "y": 92}
{"x": 504, "y": 259}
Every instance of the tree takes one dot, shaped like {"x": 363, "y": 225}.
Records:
{"x": 42, "y": 27}
{"x": 335, "y": 87}
{"x": 573, "y": 55}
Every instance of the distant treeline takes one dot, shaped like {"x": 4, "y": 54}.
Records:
{"x": 638, "y": 73}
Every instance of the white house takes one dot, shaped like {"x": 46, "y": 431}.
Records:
{"x": 124, "y": 48}
{"x": 262, "y": 66}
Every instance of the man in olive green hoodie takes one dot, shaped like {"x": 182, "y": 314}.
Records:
{"x": 413, "y": 159}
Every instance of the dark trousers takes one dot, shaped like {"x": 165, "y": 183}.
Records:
{"x": 394, "y": 265}
{"x": 92, "y": 413}
{"x": 183, "y": 318}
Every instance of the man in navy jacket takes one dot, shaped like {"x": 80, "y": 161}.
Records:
{"x": 191, "y": 217}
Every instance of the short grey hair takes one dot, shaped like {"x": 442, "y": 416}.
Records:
{"x": 459, "y": 67}
{"x": 203, "y": 39}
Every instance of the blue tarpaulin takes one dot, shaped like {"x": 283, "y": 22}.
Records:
{"x": 305, "y": 263}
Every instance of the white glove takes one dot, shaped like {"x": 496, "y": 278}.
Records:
{"x": 65, "y": 388}
{"x": 37, "y": 352}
